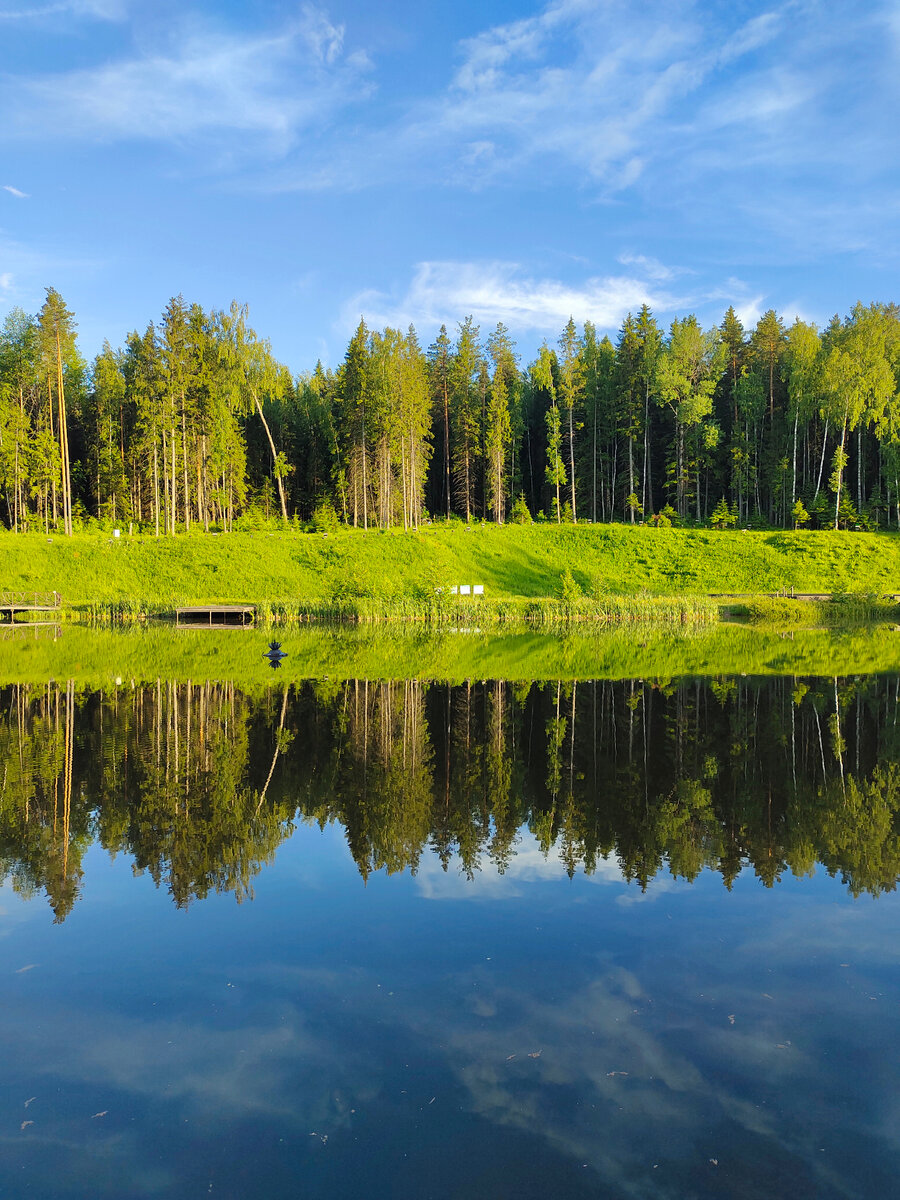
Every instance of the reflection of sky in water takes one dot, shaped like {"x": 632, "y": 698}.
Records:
{"x": 544, "y": 1038}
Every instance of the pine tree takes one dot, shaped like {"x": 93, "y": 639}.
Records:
{"x": 352, "y": 397}
{"x": 465, "y": 413}
{"x": 439, "y": 356}
{"x": 504, "y": 391}
{"x": 571, "y": 392}
{"x": 57, "y": 339}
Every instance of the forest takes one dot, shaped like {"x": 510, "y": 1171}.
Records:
{"x": 194, "y": 425}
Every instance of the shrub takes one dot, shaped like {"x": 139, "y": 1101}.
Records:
{"x": 722, "y": 516}
{"x": 663, "y": 519}
{"x": 799, "y": 515}
{"x": 325, "y": 519}
{"x": 519, "y": 514}
{"x": 571, "y": 592}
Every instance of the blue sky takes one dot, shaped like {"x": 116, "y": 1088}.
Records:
{"x": 413, "y": 162}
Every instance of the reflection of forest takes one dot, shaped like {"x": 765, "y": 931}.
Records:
{"x": 201, "y": 783}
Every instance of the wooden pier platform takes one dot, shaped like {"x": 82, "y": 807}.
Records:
{"x": 28, "y": 602}
{"x": 216, "y": 615}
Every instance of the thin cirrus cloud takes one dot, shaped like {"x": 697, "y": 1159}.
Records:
{"x": 266, "y": 87}
{"x": 592, "y": 88}
{"x": 604, "y": 94}
{"x": 14, "y": 191}
{"x": 101, "y": 10}
{"x": 680, "y": 103}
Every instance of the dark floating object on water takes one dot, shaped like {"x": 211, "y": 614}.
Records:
{"x": 274, "y": 654}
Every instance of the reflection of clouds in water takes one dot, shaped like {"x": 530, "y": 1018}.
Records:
{"x": 594, "y": 1044}
{"x": 271, "y": 1067}
{"x": 527, "y": 865}
{"x": 862, "y": 928}
{"x": 630, "y": 1066}
{"x": 660, "y": 885}
{"x": 17, "y": 910}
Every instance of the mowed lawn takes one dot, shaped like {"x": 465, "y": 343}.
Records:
{"x": 513, "y": 561}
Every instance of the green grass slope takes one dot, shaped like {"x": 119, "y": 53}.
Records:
{"x": 514, "y": 561}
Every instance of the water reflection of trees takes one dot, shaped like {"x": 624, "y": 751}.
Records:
{"x": 200, "y": 784}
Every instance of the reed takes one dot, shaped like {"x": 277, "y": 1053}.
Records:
{"x": 839, "y": 610}
{"x": 482, "y": 613}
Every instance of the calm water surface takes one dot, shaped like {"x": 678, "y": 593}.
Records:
{"x": 405, "y": 940}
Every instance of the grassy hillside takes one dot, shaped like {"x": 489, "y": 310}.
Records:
{"x": 514, "y": 561}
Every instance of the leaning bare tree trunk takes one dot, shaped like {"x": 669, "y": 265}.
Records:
{"x": 274, "y": 456}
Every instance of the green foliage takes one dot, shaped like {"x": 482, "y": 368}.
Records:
{"x": 799, "y": 515}
{"x": 723, "y": 516}
{"x": 569, "y": 589}
{"x": 194, "y": 424}
{"x": 325, "y": 519}
{"x": 633, "y": 505}
{"x": 519, "y": 514}
{"x": 842, "y": 609}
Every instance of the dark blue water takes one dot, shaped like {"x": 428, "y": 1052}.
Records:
{"x": 428, "y": 1034}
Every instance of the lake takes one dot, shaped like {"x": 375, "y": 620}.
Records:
{"x": 400, "y": 937}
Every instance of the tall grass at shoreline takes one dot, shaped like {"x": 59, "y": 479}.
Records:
{"x": 840, "y": 609}
{"x": 540, "y": 615}
{"x": 547, "y": 614}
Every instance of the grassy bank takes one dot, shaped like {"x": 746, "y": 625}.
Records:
{"x": 98, "y": 658}
{"x": 389, "y": 572}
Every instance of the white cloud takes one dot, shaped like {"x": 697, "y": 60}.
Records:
{"x": 102, "y": 10}
{"x": 500, "y": 291}
{"x": 528, "y": 864}
{"x": 651, "y": 267}
{"x": 325, "y": 39}
{"x": 6, "y": 281}
{"x": 757, "y": 32}
{"x": 594, "y": 87}
{"x": 268, "y": 87}
{"x": 14, "y": 191}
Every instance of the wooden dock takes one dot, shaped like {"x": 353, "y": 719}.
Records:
{"x": 28, "y": 602}
{"x": 216, "y": 616}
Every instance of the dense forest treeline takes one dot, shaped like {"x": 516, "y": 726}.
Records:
{"x": 200, "y": 783}
{"x": 193, "y": 423}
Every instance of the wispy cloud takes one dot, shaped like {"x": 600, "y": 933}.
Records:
{"x": 14, "y": 191}
{"x": 680, "y": 106}
{"x": 444, "y": 292}
{"x": 25, "y": 271}
{"x": 260, "y": 91}
{"x": 501, "y": 291}
{"x": 595, "y": 87}
{"x": 102, "y": 10}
